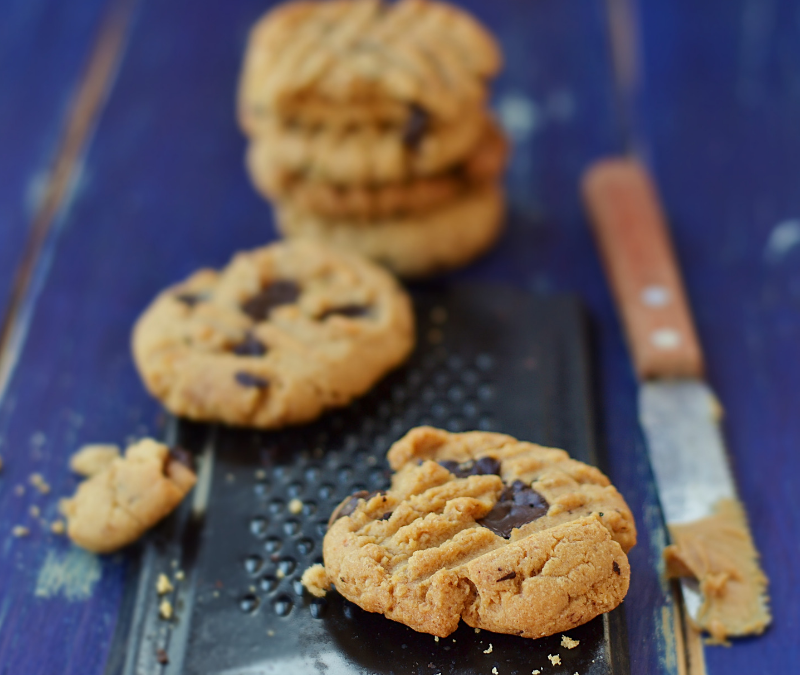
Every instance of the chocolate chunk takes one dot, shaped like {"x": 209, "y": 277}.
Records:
{"x": 416, "y": 127}
{"x": 279, "y": 292}
{"x": 250, "y": 346}
{"x": 248, "y": 380}
{"x": 182, "y": 456}
{"x": 510, "y": 575}
{"x": 190, "y": 299}
{"x": 350, "y": 311}
{"x": 386, "y": 516}
{"x": 484, "y": 466}
{"x": 616, "y": 568}
{"x": 348, "y": 506}
{"x": 518, "y": 504}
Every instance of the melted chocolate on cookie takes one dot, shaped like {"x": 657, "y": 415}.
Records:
{"x": 191, "y": 299}
{"x": 250, "y": 346}
{"x": 250, "y": 380}
{"x": 518, "y": 505}
{"x": 182, "y": 456}
{"x": 350, "y": 311}
{"x": 484, "y": 466}
{"x": 348, "y": 506}
{"x": 416, "y": 127}
{"x": 279, "y": 292}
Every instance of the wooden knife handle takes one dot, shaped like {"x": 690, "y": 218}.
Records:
{"x": 640, "y": 263}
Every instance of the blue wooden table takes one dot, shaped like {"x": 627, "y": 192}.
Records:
{"x": 714, "y": 107}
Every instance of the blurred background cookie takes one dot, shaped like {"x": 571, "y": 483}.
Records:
{"x": 280, "y": 335}
{"x": 373, "y": 113}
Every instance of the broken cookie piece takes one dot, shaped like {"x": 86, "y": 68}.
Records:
{"x": 93, "y": 458}
{"x": 115, "y": 506}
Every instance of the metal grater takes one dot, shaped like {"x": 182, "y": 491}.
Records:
{"x": 489, "y": 358}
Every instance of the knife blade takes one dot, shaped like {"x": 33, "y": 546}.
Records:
{"x": 712, "y": 551}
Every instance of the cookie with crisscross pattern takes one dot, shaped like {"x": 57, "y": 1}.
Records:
{"x": 509, "y": 536}
{"x": 365, "y": 61}
{"x": 373, "y": 200}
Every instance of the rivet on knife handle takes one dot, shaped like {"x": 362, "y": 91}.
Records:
{"x": 630, "y": 229}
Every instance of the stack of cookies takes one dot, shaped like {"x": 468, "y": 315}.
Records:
{"x": 369, "y": 131}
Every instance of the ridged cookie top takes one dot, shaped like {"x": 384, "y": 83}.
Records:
{"x": 280, "y": 334}
{"x": 376, "y": 58}
{"x": 506, "y": 535}
{"x": 571, "y": 489}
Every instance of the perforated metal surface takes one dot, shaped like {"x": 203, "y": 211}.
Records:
{"x": 490, "y": 359}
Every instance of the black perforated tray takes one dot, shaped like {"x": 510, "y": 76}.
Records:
{"x": 488, "y": 358}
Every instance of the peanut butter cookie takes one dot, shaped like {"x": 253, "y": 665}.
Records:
{"x": 414, "y": 245}
{"x": 277, "y": 337}
{"x": 509, "y": 536}
{"x": 119, "y": 503}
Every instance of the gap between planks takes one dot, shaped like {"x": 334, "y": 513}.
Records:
{"x": 84, "y": 111}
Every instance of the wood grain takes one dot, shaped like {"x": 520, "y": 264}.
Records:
{"x": 44, "y": 48}
{"x": 718, "y": 110}
{"x": 633, "y": 237}
{"x": 165, "y": 193}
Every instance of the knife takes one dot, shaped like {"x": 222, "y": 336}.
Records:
{"x": 712, "y": 550}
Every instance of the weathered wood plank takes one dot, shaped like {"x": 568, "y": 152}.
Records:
{"x": 165, "y": 192}
{"x": 719, "y": 110}
{"x": 44, "y": 48}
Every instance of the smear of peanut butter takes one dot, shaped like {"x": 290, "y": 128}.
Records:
{"x": 719, "y": 552}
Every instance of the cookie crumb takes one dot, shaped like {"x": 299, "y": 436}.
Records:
{"x": 271, "y": 633}
{"x": 280, "y": 573}
{"x": 436, "y": 638}
{"x": 93, "y": 458}
{"x": 477, "y": 630}
{"x": 295, "y": 506}
{"x": 19, "y": 490}
{"x": 38, "y": 481}
{"x": 494, "y": 670}
{"x": 315, "y": 581}
{"x": 20, "y": 531}
{"x": 57, "y": 527}
{"x": 555, "y": 660}
{"x": 161, "y": 657}
{"x": 536, "y": 672}
{"x": 179, "y": 575}
{"x": 163, "y": 585}
{"x": 488, "y": 651}
{"x": 34, "y": 511}
{"x": 260, "y": 474}
{"x": 568, "y": 642}
{"x": 165, "y": 610}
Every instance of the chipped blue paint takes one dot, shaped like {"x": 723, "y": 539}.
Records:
{"x": 72, "y": 575}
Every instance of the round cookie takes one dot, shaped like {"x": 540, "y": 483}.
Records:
{"x": 509, "y": 536}
{"x": 366, "y": 154}
{"x": 414, "y": 246}
{"x": 275, "y": 338}
{"x": 351, "y": 62}
{"x": 377, "y": 200}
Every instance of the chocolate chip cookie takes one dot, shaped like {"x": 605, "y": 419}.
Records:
{"x": 277, "y": 337}
{"x": 366, "y": 155}
{"x": 374, "y": 199}
{"x": 353, "y": 62}
{"x": 415, "y": 245}
{"x": 127, "y": 496}
{"x": 509, "y": 536}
